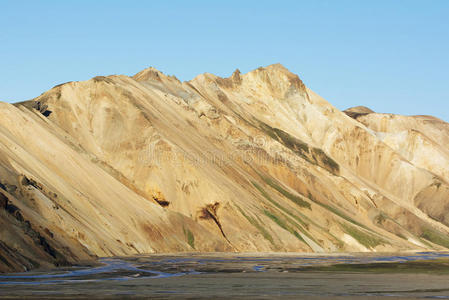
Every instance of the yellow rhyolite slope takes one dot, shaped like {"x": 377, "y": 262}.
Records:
{"x": 255, "y": 162}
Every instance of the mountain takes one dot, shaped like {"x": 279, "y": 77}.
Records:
{"x": 255, "y": 162}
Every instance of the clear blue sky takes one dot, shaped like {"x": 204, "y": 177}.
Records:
{"x": 392, "y": 56}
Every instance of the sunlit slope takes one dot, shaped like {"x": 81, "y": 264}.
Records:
{"x": 255, "y": 162}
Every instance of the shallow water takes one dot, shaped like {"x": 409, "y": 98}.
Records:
{"x": 413, "y": 275}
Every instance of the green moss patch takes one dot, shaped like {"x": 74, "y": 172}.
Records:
{"x": 283, "y": 225}
{"x": 286, "y": 211}
{"x": 289, "y": 141}
{"x": 326, "y": 161}
{"x": 294, "y": 198}
{"x": 259, "y": 227}
{"x": 367, "y": 240}
{"x": 190, "y": 238}
{"x": 337, "y": 212}
{"x": 437, "y": 266}
{"x": 435, "y": 237}
{"x": 313, "y": 155}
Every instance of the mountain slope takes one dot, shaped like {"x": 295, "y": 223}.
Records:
{"x": 123, "y": 165}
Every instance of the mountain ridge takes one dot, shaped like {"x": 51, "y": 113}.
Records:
{"x": 255, "y": 162}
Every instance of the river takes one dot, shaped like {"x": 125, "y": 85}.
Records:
{"x": 423, "y": 275}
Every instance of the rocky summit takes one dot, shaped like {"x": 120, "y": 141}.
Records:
{"x": 256, "y": 162}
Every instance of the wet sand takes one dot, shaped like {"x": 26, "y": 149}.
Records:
{"x": 349, "y": 276}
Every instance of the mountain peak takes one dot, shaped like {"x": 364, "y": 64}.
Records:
{"x": 153, "y": 74}
{"x": 149, "y": 73}
{"x": 277, "y": 66}
{"x": 278, "y": 78}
